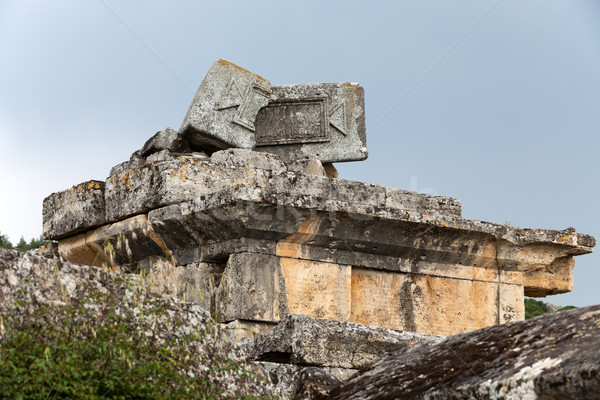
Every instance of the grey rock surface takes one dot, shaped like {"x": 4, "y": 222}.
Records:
{"x": 249, "y": 289}
{"x": 167, "y": 139}
{"x": 245, "y": 157}
{"x": 322, "y": 121}
{"x": 549, "y": 357}
{"x": 311, "y": 167}
{"x": 34, "y": 280}
{"x": 224, "y": 108}
{"x": 315, "y": 382}
{"x": 301, "y": 340}
{"x": 74, "y": 210}
{"x": 184, "y": 178}
{"x": 288, "y": 379}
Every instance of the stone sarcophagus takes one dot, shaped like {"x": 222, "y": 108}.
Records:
{"x": 260, "y": 232}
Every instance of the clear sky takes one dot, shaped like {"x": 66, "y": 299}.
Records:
{"x": 494, "y": 102}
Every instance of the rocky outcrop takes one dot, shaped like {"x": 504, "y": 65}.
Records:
{"x": 30, "y": 281}
{"x": 318, "y": 349}
{"x": 549, "y": 357}
{"x": 243, "y": 204}
{"x": 279, "y": 240}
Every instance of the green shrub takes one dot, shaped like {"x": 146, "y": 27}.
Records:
{"x": 534, "y": 308}
{"x": 565, "y": 308}
{"x": 96, "y": 347}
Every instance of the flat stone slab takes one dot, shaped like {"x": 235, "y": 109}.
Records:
{"x": 322, "y": 121}
{"x": 234, "y": 107}
{"x": 74, "y": 210}
{"x": 152, "y": 185}
{"x": 301, "y": 340}
{"x": 225, "y": 106}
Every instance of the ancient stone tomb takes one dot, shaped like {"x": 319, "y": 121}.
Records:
{"x": 241, "y": 211}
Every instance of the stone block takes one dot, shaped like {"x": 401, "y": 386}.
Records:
{"x": 224, "y": 108}
{"x": 176, "y": 180}
{"x": 198, "y": 283}
{"x": 126, "y": 245}
{"x": 546, "y": 269}
{"x": 512, "y": 303}
{"x": 283, "y": 183}
{"x": 310, "y": 167}
{"x": 302, "y": 340}
{"x": 252, "y": 288}
{"x": 358, "y": 192}
{"x": 317, "y": 289}
{"x": 284, "y": 378}
{"x": 262, "y": 287}
{"x": 237, "y": 157}
{"x": 322, "y": 121}
{"x": 412, "y": 201}
{"x": 74, "y": 210}
{"x": 167, "y": 139}
{"x": 76, "y": 250}
{"x": 421, "y": 303}
{"x": 240, "y": 330}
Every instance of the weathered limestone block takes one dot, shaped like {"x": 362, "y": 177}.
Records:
{"x": 310, "y": 167}
{"x": 549, "y": 357}
{"x": 225, "y": 107}
{"x": 239, "y": 157}
{"x": 348, "y": 233}
{"x": 252, "y": 288}
{"x": 546, "y": 269}
{"x": 125, "y": 244}
{"x": 317, "y": 289}
{"x": 302, "y": 340}
{"x": 184, "y": 178}
{"x": 313, "y": 382}
{"x": 406, "y": 200}
{"x": 261, "y": 287}
{"x": 198, "y": 283}
{"x": 428, "y": 304}
{"x": 74, "y": 249}
{"x": 240, "y": 330}
{"x": 322, "y": 121}
{"x": 285, "y": 377}
{"x": 167, "y": 139}
{"x": 74, "y": 210}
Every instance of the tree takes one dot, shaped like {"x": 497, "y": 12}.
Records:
{"x": 22, "y": 245}
{"x": 5, "y": 242}
{"x": 35, "y": 243}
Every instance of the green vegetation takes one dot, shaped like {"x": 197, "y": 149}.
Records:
{"x": 23, "y": 245}
{"x": 565, "y": 308}
{"x": 95, "y": 347}
{"x": 5, "y": 242}
{"x": 534, "y": 308}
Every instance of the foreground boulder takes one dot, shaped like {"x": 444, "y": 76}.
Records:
{"x": 323, "y": 351}
{"x": 69, "y": 330}
{"x": 550, "y": 357}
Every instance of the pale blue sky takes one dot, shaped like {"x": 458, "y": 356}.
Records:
{"x": 507, "y": 121}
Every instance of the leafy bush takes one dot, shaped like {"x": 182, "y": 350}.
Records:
{"x": 95, "y": 346}
{"x": 534, "y": 308}
{"x": 565, "y": 308}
